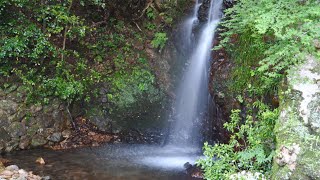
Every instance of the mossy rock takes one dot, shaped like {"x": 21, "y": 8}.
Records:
{"x": 298, "y": 125}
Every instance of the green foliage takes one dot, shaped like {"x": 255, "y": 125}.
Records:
{"x": 99, "y": 3}
{"x": 66, "y": 49}
{"x": 30, "y": 52}
{"x": 174, "y": 9}
{"x": 19, "y": 41}
{"x": 151, "y": 26}
{"x": 150, "y": 14}
{"x": 220, "y": 161}
{"x": 250, "y": 146}
{"x": 130, "y": 83}
{"x": 129, "y": 87}
{"x": 50, "y": 49}
{"x": 246, "y": 54}
{"x": 283, "y": 30}
{"x": 265, "y": 40}
{"x": 159, "y": 40}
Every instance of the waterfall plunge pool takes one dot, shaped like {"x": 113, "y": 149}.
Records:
{"x": 121, "y": 161}
{"x": 111, "y": 161}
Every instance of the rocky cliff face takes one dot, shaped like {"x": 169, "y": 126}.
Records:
{"x": 23, "y": 127}
{"x": 298, "y": 127}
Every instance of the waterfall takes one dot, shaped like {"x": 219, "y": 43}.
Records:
{"x": 187, "y": 37}
{"x": 192, "y": 94}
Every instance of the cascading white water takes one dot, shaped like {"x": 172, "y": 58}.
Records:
{"x": 187, "y": 26}
{"x": 193, "y": 91}
{"x": 192, "y": 96}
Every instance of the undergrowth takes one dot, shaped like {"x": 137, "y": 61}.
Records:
{"x": 265, "y": 39}
{"x": 65, "y": 49}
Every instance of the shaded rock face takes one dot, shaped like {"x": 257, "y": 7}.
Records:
{"x": 22, "y": 126}
{"x": 229, "y": 3}
{"x": 129, "y": 8}
{"x": 193, "y": 171}
{"x": 203, "y": 11}
{"x": 222, "y": 96}
{"x": 204, "y": 8}
{"x": 298, "y": 128}
{"x": 145, "y": 117}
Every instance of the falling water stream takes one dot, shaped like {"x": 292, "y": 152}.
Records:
{"x": 192, "y": 94}
{"x": 146, "y": 161}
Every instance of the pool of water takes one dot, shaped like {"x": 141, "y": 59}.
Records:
{"x": 109, "y": 162}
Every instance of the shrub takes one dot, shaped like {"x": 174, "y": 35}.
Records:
{"x": 159, "y": 40}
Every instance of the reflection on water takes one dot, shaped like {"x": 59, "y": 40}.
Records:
{"x": 109, "y": 162}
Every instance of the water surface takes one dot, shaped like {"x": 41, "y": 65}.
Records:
{"x": 109, "y": 162}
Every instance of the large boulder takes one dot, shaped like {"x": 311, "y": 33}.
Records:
{"x": 298, "y": 127}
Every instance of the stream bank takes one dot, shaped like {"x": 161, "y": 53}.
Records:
{"x": 13, "y": 172}
{"x": 28, "y": 123}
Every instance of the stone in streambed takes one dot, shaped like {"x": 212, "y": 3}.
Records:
{"x": 41, "y": 161}
{"x": 46, "y": 178}
{"x": 6, "y": 173}
{"x": 23, "y": 175}
{"x": 2, "y": 177}
{"x": 12, "y": 168}
{"x": 17, "y": 117}
{"x": 23, "y": 172}
{"x": 55, "y": 137}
